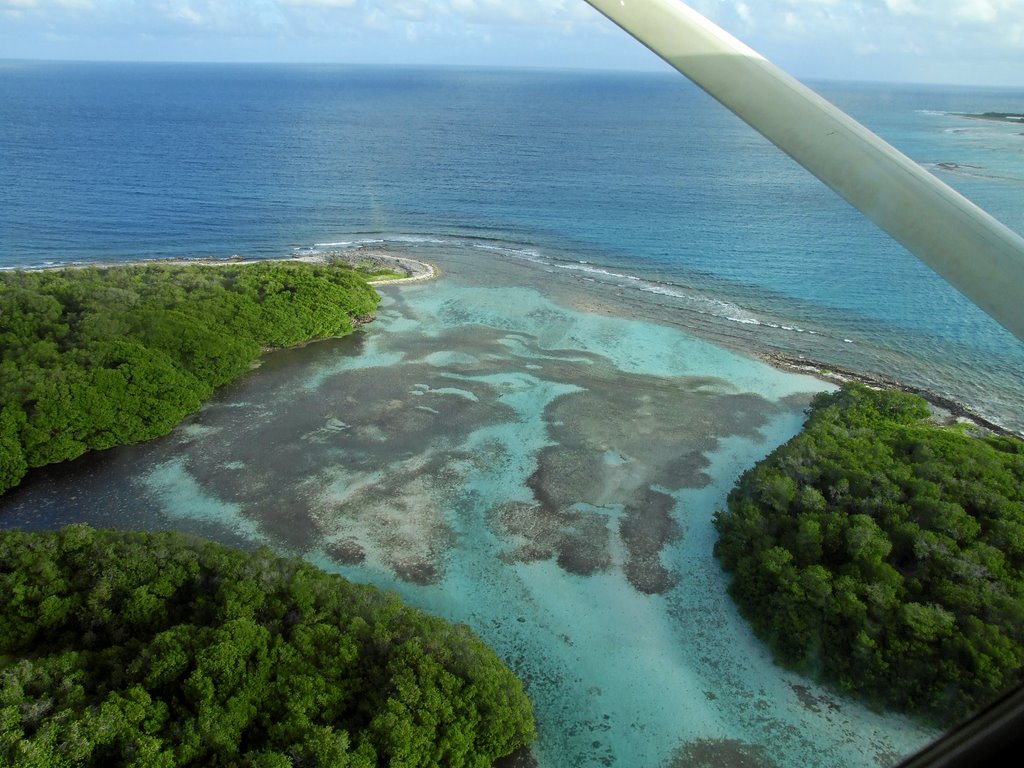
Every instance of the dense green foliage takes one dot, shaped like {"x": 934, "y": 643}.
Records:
{"x": 155, "y": 650}
{"x": 92, "y": 358}
{"x": 885, "y": 554}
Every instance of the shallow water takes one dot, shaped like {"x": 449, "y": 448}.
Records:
{"x": 507, "y": 452}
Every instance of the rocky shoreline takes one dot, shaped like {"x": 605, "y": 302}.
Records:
{"x": 945, "y": 410}
{"x": 368, "y": 261}
{"x": 375, "y": 261}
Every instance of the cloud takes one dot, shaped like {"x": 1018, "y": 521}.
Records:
{"x": 74, "y": 5}
{"x": 318, "y": 3}
{"x": 928, "y": 40}
{"x": 988, "y": 10}
{"x": 414, "y": 10}
{"x": 743, "y": 11}
{"x": 182, "y": 12}
{"x": 925, "y": 40}
{"x": 902, "y": 7}
{"x": 538, "y": 13}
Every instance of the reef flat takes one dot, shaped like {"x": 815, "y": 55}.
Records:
{"x": 510, "y": 453}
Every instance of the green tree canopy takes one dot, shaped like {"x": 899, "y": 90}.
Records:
{"x": 883, "y": 553}
{"x": 97, "y": 357}
{"x": 136, "y": 649}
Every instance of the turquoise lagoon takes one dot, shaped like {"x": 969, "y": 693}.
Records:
{"x": 509, "y": 451}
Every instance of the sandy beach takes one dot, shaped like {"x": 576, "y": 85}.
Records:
{"x": 414, "y": 269}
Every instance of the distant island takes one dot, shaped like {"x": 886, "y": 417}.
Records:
{"x": 1002, "y": 117}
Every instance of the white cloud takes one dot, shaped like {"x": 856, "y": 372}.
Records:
{"x": 985, "y": 11}
{"x": 412, "y": 9}
{"x": 540, "y": 13}
{"x": 318, "y": 3}
{"x": 72, "y": 5}
{"x": 931, "y": 40}
{"x": 182, "y": 12}
{"x": 977, "y": 40}
{"x": 376, "y": 19}
{"x": 793, "y": 22}
{"x": 902, "y": 7}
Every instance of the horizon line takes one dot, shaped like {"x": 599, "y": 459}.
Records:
{"x": 580, "y": 69}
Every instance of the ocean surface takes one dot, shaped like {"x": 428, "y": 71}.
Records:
{"x": 535, "y": 443}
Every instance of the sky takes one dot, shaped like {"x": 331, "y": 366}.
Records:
{"x": 971, "y": 42}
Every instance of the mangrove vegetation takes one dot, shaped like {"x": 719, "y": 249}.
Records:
{"x": 884, "y": 554}
{"x": 164, "y": 650}
{"x": 91, "y": 358}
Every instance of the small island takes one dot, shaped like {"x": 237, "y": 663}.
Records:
{"x": 1001, "y": 117}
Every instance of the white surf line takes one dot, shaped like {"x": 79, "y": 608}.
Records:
{"x": 978, "y": 255}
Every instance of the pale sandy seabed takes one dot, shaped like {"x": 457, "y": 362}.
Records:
{"x": 541, "y": 472}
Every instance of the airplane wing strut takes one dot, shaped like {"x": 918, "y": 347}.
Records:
{"x": 973, "y": 251}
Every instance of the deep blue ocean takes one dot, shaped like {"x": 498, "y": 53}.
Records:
{"x": 581, "y": 221}
{"x": 636, "y": 175}
{"x": 637, "y": 179}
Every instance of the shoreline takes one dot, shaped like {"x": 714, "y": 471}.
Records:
{"x": 1017, "y": 118}
{"x": 414, "y": 269}
{"x": 945, "y": 410}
